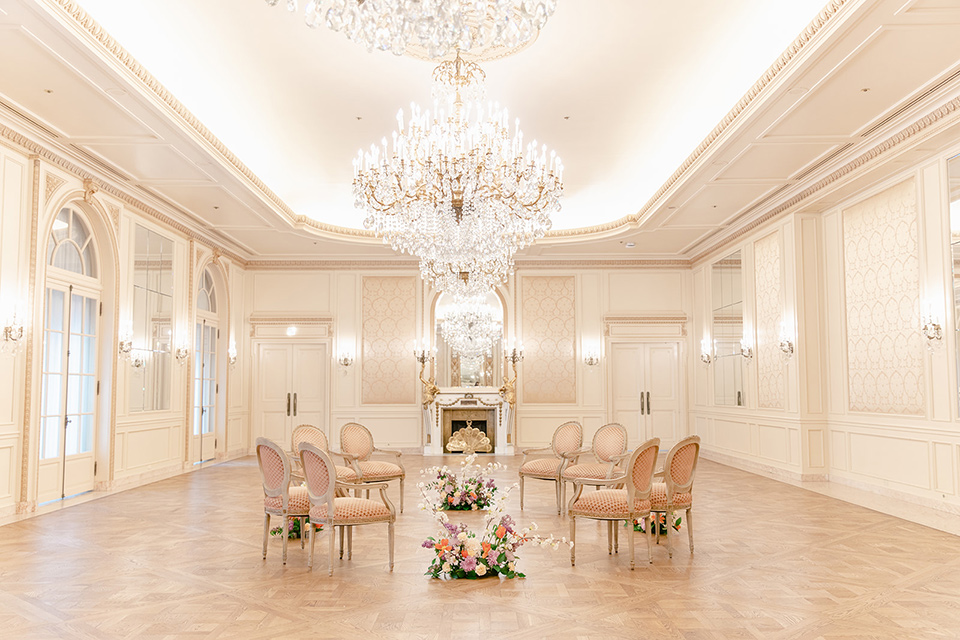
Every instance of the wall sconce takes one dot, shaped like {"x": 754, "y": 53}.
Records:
{"x": 12, "y": 334}
{"x": 424, "y": 353}
{"x": 513, "y": 355}
{"x": 932, "y": 331}
{"x": 138, "y": 361}
{"x": 746, "y": 350}
{"x": 125, "y": 347}
{"x": 181, "y": 354}
{"x": 705, "y": 356}
{"x": 591, "y": 358}
{"x": 786, "y": 346}
{"x": 345, "y": 359}
{"x": 232, "y": 356}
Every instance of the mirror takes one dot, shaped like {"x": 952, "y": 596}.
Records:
{"x": 455, "y": 370}
{"x": 953, "y": 180}
{"x": 727, "y": 289}
{"x": 150, "y": 383}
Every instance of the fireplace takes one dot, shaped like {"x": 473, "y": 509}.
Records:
{"x": 456, "y": 418}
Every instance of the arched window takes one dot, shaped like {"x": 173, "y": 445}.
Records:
{"x": 205, "y": 384}
{"x": 207, "y": 296}
{"x": 70, "y": 246}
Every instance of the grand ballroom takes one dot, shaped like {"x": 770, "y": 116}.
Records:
{"x": 385, "y": 318}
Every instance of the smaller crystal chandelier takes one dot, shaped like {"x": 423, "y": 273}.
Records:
{"x": 471, "y": 327}
{"x": 437, "y": 26}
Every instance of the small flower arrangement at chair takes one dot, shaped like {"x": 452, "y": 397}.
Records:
{"x": 470, "y": 489}
{"x": 357, "y": 448}
{"x": 617, "y": 505}
{"x": 331, "y": 510}
{"x": 279, "y": 498}
{"x": 492, "y": 551}
{"x": 568, "y": 438}
{"x": 294, "y": 530}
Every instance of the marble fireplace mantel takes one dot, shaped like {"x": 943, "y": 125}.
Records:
{"x": 474, "y": 403}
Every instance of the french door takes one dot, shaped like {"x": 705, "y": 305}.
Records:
{"x": 291, "y": 385}
{"x": 205, "y": 391}
{"x": 645, "y": 389}
{"x": 69, "y": 389}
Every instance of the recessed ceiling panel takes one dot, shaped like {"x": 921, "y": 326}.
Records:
{"x": 150, "y": 162}
{"x": 214, "y": 205}
{"x": 773, "y": 161}
{"x": 56, "y": 94}
{"x": 715, "y": 204}
{"x": 887, "y": 70}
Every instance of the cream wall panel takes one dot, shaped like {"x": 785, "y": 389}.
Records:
{"x": 701, "y": 315}
{"x": 882, "y": 281}
{"x": 292, "y": 291}
{"x": 816, "y": 452}
{"x": 796, "y": 450}
{"x": 590, "y": 324}
{"x": 838, "y": 450}
{"x": 901, "y": 460}
{"x": 348, "y": 332}
{"x": 8, "y": 464}
{"x": 150, "y": 447}
{"x": 537, "y": 430}
{"x": 389, "y": 312}
{"x": 836, "y": 369}
{"x": 946, "y": 473}
{"x": 549, "y": 370}
{"x": 774, "y": 443}
{"x": 399, "y": 428}
{"x": 809, "y": 355}
{"x": 733, "y": 436}
{"x": 644, "y": 291}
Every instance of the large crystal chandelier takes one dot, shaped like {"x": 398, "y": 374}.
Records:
{"x": 456, "y": 188}
{"x": 470, "y": 327}
{"x": 437, "y": 26}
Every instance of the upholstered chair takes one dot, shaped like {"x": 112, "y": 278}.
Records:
{"x": 566, "y": 439}
{"x": 608, "y": 448}
{"x": 617, "y": 505}
{"x": 675, "y": 492}
{"x": 343, "y": 512}
{"x": 279, "y": 498}
{"x": 316, "y": 437}
{"x": 356, "y": 447}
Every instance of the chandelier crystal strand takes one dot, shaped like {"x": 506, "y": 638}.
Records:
{"x": 440, "y": 27}
{"x": 471, "y": 327}
{"x": 456, "y": 188}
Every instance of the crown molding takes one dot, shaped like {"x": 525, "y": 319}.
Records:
{"x": 600, "y": 263}
{"x": 330, "y": 265}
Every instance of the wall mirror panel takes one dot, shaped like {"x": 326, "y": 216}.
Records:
{"x": 953, "y": 180}
{"x": 456, "y": 369}
{"x": 150, "y": 386}
{"x": 727, "y": 290}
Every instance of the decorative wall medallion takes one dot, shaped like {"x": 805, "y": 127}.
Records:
{"x": 51, "y": 184}
{"x": 882, "y": 292}
{"x": 114, "y": 215}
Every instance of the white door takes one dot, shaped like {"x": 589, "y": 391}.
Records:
{"x": 68, "y": 392}
{"x": 291, "y": 388}
{"x": 645, "y": 390}
{"x": 205, "y": 390}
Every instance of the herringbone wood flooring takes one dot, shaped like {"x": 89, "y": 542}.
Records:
{"x": 181, "y": 559}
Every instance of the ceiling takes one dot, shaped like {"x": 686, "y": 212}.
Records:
{"x": 244, "y": 121}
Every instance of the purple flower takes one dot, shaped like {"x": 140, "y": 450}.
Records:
{"x": 491, "y": 484}
{"x": 469, "y": 563}
{"x": 508, "y": 555}
{"x": 428, "y": 544}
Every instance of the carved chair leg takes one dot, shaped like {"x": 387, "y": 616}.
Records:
{"x": 668, "y": 516}
{"x": 558, "y": 497}
{"x": 609, "y": 537}
{"x": 332, "y": 544}
{"x": 631, "y": 542}
{"x": 521, "y": 493}
{"x": 401, "y": 495}
{"x": 573, "y": 540}
{"x": 303, "y": 531}
{"x": 350, "y": 543}
{"x": 616, "y": 536}
{"x": 646, "y": 534}
{"x": 390, "y": 528}
{"x": 690, "y": 528}
{"x": 284, "y": 533}
{"x": 341, "y": 541}
{"x": 313, "y": 542}
{"x": 266, "y": 533}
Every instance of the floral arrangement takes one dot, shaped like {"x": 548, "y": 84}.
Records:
{"x": 293, "y": 528}
{"x": 462, "y": 553}
{"x": 661, "y": 519}
{"x": 469, "y": 489}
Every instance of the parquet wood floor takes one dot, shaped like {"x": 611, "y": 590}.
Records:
{"x": 181, "y": 558}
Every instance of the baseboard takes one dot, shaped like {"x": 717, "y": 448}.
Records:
{"x": 770, "y": 471}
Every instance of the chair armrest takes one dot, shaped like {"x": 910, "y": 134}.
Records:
{"x": 599, "y": 482}
{"x": 392, "y": 452}
{"x": 365, "y": 486}
{"x": 343, "y": 454}
{"x": 658, "y": 474}
{"x": 573, "y": 455}
{"x": 622, "y": 456}
{"x": 528, "y": 452}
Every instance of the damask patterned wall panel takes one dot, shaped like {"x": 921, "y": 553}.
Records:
{"x": 549, "y": 336}
{"x": 882, "y": 280}
{"x": 769, "y": 286}
{"x": 389, "y": 322}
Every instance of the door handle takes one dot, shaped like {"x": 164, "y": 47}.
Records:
{"x": 643, "y": 405}
{"x": 649, "y": 408}
{"x": 288, "y": 404}
{"x": 294, "y": 403}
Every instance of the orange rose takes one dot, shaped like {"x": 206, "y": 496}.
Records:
{"x": 486, "y": 548}
{"x": 501, "y": 531}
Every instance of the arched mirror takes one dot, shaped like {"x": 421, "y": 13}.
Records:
{"x": 469, "y": 338}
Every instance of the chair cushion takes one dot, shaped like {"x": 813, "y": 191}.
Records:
{"x": 346, "y": 474}
{"x": 542, "y": 468}
{"x": 607, "y": 503}
{"x": 376, "y": 470}
{"x": 658, "y": 497}
{"x": 352, "y": 510}
{"x": 590, "y": 470}
{"x": 299, "y": 503}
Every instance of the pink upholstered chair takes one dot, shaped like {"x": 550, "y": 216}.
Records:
{"x": 344, "y": 512}
{"x": 356, "y": 447}
{"x": 676, "y": 490}
{"x": 279, "y": 498}
{"x": 609, "y": 447}
{"x": 616, "y": 505}
{"x": 316, "y": 437}
{"x": 567, "y": 438}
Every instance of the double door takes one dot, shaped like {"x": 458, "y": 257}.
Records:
{"x": 291, "y": 388}
{"x": 645, "y": 388}
{"x": 69, "y": 389}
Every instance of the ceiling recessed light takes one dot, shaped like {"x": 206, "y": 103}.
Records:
{"x": 216, "y": 207}
{"x": 865, "y": 90}
{"x": 566, "y": 117}
{"x": 48, "y": 90}
{"x": 359, "y": 117}
{"x": 631, "y": 245}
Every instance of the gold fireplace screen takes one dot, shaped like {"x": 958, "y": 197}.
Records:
{"x": 483, "y": 419}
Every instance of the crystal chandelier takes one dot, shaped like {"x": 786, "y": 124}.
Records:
{"x": 456, "y": 188}
{"x": 438, "y": 26}
{"x": 471, "y": 327}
